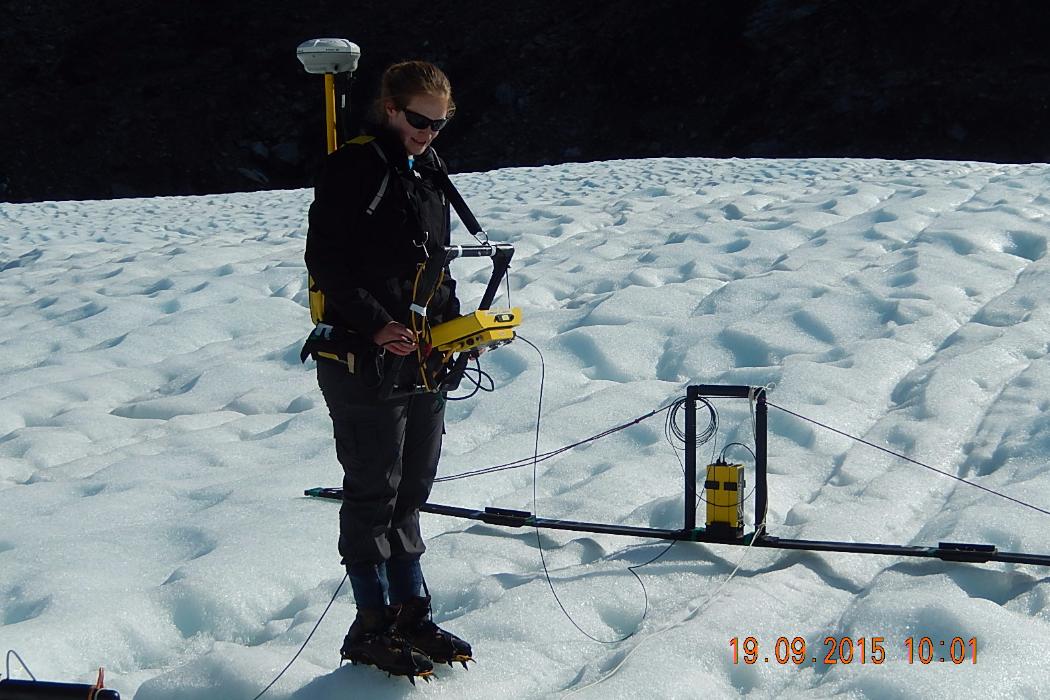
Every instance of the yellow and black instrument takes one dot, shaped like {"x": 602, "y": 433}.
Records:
{"x": 481, "y": 330}
{"x": 723, "y": 492}
{"x": 458, "y": 340}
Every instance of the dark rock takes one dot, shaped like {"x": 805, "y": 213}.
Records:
{"x": 287, "y": 152}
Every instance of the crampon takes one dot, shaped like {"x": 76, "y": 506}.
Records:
{"x": 410, "y": 665}
{"x": 371, "y": 641}
{"x": 413, "y": 624}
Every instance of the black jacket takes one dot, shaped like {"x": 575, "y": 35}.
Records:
{"x": 366, "y": 263}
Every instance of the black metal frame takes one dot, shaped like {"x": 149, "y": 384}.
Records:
{"x": 945, "y": 551}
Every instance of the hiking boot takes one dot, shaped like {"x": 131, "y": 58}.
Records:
{"x": 413, "y": 623}
{"x": 370, "y": 641}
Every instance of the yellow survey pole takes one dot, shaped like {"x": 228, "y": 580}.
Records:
{"x": 329, "y": 111}
{"x": 327, "y": 57}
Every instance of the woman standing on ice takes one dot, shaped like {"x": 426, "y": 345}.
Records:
{"x": 377, "y": 201}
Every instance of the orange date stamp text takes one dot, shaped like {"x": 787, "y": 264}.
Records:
{"x": 924, "y": 650}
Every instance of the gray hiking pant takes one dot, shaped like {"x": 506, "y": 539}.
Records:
{"x": 389, "y": 451}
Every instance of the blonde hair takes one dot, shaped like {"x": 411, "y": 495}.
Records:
{"x": 403, "y": 81}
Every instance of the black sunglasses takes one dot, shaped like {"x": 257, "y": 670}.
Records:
{"x": 418, "y": 121}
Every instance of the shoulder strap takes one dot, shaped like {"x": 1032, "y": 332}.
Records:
{"x": 382, "y": 185}
{"x": 456, "y": 199}
{"x": 360, "y": 141}
{"x": 443, "y": 180}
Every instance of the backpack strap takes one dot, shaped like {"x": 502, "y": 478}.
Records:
{"x": 315, "y": 293}
{"x": 382, "y": 185}
{"x": 458, "y": 203}
{"x": 361, "y": 140}
{"x": 444, "y": 183}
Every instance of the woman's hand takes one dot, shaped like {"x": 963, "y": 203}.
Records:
{"x": 396, "y": 338}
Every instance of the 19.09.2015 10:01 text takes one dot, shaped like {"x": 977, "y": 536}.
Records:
{"x": 860, "y": 650}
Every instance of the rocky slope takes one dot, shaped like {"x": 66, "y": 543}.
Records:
{"x": 133, "y": 98}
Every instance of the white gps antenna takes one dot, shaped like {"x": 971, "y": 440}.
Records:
{"x": 330, "y": 57}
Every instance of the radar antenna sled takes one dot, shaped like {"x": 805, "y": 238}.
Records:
{"x": 722, "y": 525}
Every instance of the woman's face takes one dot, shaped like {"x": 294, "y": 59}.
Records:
{"x": 424, "y": 107}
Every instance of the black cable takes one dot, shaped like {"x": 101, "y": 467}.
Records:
{"x": 725, "y": 449}
{"x": 722, "y": 458}
{"x": 909, "y": 459}
{"x": 478, "y": 383}
{"x": 699, "y": 498}
{"x": 318, "y": 624}
{"x": 539, "y": 541}
{"x": 526, "y": 461}
{"x": 12, "y": 652}
{"x": 672, "y": 432}
{"x": 676, "y": 436}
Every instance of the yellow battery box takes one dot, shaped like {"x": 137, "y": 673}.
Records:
{"x": 724, "y": 493}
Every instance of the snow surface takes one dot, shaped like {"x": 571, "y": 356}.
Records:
{"x": 157, "y": 431}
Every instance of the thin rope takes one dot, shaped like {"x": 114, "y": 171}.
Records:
{"x": 12, "y": 652}
{"x": 688, "y": 616}
{"x": 526, "y": 461}
{"x": 318, "y": 624}
{"x": 913, "y": 461}
{"x": 539, "y": 541}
